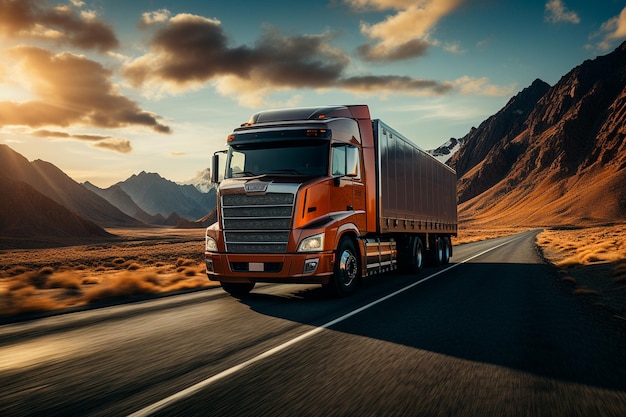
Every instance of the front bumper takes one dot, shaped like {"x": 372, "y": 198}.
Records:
{"x": 316, "y": 268}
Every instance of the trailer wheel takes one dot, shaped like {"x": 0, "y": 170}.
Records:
{"x": 447, "y": 249}
{"x": 237, "y": 289}
{"x": 347, "y": 269}
{"x": 418, "y": 256}
{"x": 438, "y": 251}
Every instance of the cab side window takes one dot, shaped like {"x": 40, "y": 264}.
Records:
{"x": 346, "y": 161}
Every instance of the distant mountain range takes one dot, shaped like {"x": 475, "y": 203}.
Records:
{"x": 156, "y": 200}
{"x": 47, "y": 179}
{"x": 41, "y": 205}
{"x": 552, "y": 155}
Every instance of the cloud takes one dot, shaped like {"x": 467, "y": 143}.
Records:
{"x": 406, "y": 34}
{"x": 38, "y": 20}
{"x": 157, "y": 16}
{"x": 188, "y": 52}
{"x": 393, "y": 84}
{"x": 555, "y": 12}
{"x": 381, "y": 52}
{"x": 100, "y": 141}
{"x": 70, "y": 89}
{"x": 115, "y": 144}
{"x": 480, "y": 86}
{"x": 611, "y": 30}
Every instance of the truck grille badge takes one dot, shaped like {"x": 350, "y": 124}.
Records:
{"x": 256, "y": 187}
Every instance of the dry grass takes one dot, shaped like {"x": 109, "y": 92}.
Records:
{"x": 592, "y": 260}
{"x": 584, "y": 246}
{"x": 145, "y": 262}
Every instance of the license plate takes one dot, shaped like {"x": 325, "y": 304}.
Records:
{"x": 256, "y": 267}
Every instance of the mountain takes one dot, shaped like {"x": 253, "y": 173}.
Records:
{"x": 118, "y": 197}
{"x": 560, "y": 161}
{"x": 156, "y": 195}
{"x": 30, "y": 219}
{"x": 50, "y": 181}
{"x": 506, "y": 122}
{"x": 444, "y": 152}
{"x": 500, "y": 128}
{"x": 202, "y": 181}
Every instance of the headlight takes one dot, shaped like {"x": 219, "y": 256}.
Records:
{"x": 210, "y": 244}
{"x": 313, "y": 243}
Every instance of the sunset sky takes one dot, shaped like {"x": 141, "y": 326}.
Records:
{"x": 109, "y": 88}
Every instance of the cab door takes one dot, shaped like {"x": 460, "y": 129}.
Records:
{"x": 349, "y": 190}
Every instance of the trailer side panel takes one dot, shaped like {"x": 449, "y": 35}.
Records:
{"x": 416, "y": 193}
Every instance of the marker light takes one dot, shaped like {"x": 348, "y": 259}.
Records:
{"x": 316, "y": 132}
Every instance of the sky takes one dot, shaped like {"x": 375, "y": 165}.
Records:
{"x": 105, "y": 89}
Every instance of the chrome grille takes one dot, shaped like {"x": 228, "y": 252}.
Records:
{"x": 257, "y": 223}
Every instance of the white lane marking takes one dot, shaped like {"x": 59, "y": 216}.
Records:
{"x": 188, "y": 392}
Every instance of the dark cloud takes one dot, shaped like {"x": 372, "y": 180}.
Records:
{"x": 115, "y": 144}
{"x": 37, "y": 19}
{"x": 189, "y": 49}
{"x": 393, "y": 83}
{"x": 410, "y": 49}
{"x": 100, "y": 141}
{"x": 71, "y": 89}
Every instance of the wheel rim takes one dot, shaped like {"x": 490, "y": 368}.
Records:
{"x": 419, "y": 256}
{"x": 439, "y": 252}
{"x": 348, "y": 268}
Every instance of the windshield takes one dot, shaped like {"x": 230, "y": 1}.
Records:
{"x": 278, "y": 158}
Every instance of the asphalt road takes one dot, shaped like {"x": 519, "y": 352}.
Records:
{"x": 491, "y": 334}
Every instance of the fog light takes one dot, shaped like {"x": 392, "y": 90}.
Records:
{"x": 310, "y": 265}
{"x": 209, "y": 265}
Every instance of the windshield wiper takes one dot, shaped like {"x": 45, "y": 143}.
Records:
{"x": 243, "y": 174}
{"x": 287, "y": 170}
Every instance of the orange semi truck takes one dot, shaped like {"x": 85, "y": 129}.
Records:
{"x": 325, "y": 195}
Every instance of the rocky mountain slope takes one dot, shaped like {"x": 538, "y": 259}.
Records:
{"x": 30, "y": 219}
{"x": 551, "y": 157}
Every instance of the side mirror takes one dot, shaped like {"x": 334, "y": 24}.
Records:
{"x": 216, "y": 178}
{"x": 215, "y": 166}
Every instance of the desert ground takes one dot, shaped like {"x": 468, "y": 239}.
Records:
{"x": 591, "y": 263}
{"x": 138, "y": 261}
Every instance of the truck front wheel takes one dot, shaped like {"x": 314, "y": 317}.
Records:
{"x": 346, "y": 272}
{"x": 237, "y": 289}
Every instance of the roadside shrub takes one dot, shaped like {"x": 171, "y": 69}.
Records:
{"x": 123, "y": 285}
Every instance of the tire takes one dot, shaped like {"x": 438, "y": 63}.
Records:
{"x": 437, "y": 251}
{"x": 447, "y": 250}
{"x": 417, "y": 257}
{"x": 347, "y": 271}
{"x": 237, "y": 289}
